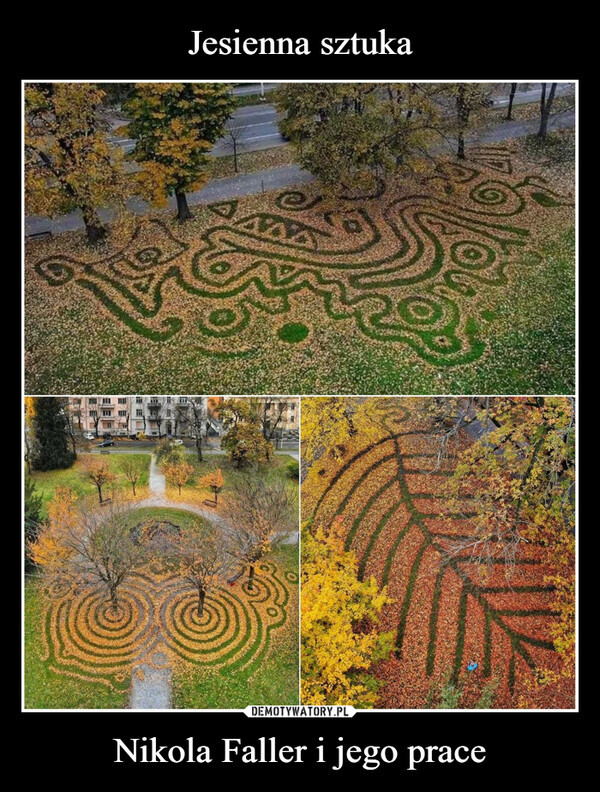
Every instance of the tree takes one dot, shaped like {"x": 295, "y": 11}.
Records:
{"x": 348, "y": 135}
{"x": 50, "y": 428}
{"x": 470, "y": 99}
{"x": 511, "y": 97}
{"x": 197, "y": 416}
{"x": 68, "y": 162}
{"x": 167, "y": 453}
{"x": 245, "y": 445}
{"x": 213, "y": 481}
{"x": 89, "y": 547}
{"x": 175, "y": 126}
{"x": 33, "y": 508}
{"x": 519, "y": 478}
{"x": 202, "y": 559}
{"x": 546, "y": 101}
{"x": 98, "y": 471}
{"x": 338, "y": 650}
{"x": 260, "y": 514}
{"x": 179, "y": 473}
{"x": 234, "y": 140}
{"x": 244, "y": 440}
{"x": 133, "y": 469}
{"x": 328, "y": 422}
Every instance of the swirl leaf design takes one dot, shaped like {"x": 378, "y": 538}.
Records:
{"x": 87, "y": 639}
{"x": 445, "y": 612}
{"x": 405, "y": 270}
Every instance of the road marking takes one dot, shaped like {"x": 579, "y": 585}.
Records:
{"x": 261, "y": 137}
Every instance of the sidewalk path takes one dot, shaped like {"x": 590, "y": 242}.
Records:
{"x": 276, "y": 178}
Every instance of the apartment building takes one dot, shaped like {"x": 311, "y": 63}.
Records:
{"x": 280, "y": 412}
{"x": 153, "y": 416}
{"x": 101, "y": 414}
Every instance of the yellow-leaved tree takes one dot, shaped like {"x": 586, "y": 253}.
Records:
{"x": 68, "y": 161}
{"x": 175, "y": 125}
{"x": 340, "y": 613}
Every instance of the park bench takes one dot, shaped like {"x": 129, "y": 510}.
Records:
{"x": 104, "y": 451}
{"x": 105, "y": 501}
{"x": 39, "y": 235}
{"x": 210, "y": 503}
{"x": 235, "y": 578}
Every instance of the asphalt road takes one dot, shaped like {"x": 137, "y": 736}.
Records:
{"x": 275, "y": 179}
{"x": 254, "y": 127}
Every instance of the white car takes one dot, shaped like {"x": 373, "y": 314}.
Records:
{"x": 177, "y": 441}
{"x": 88, "y": 436}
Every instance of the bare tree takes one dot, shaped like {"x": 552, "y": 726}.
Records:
{"x": 198, "y": 417}
{"x": 95, "y": 416}
{"x": 546, "y": 100}
{"x": 133, "y": 469}
{"x": 513, "y": 90}
{"x": 157, "y": 414}
{"x": 233, "y": 140}
{"x": 202, "y": 558}
{"x": 261, "y": 514}
{"x": 91, "y": 547}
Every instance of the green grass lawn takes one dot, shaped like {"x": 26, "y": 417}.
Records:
{"x": 530, "y": 327}
{"x": 275, "y": 682}
{"x": 74, "y": 478}
{"x": 275, "y": 469}
{"x": 439, "y": 283}
{"x": 44, "y": 689}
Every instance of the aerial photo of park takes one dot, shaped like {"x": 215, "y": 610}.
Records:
{"x": 305, "y": 238}
{"x": 161, "y": 552}
{"x": 438, "y": 552}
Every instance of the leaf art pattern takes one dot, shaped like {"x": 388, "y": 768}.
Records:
{"x": 406, "y": 270}
{"x": 157, "y": 623}
{"x": 446, "y": 612}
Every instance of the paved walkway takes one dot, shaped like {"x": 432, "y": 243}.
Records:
{"x": 151, "y": 684}
{"x": 277, "y": 178}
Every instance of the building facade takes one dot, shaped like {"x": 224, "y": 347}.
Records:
{"x": 152, "y": 416}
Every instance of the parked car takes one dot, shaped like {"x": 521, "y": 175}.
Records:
{"x": 89, "y": 435}
{"x": 178, "y": 441}
{"x": 106, "y": 443}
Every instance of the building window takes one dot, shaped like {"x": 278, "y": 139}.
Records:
{"x": 138, "y": 399}
{"x": 122, "y": 413}
{"x": 93, "y": 413}
{"x": 106, "y": 400}
{"x": 93, "y": 400}
{"x": 291, "y": 419}
{"x": 139, "y": 413}
{"x": 122, "y": 401}
{"x": 107, "y": 413}
{"x": 292, "y": 406}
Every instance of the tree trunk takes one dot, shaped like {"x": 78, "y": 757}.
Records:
{"x": 250, "y": 577}
{"x": 99, "y": 488}
{"x": 201, "y": 597}
{"x": 199, "y": 446}
{"x": 133, "y": 485}
{"x": 235, "y": 162}
{"x": 545, "y": 109}
{"x": 183, "y": 210}
{"x": 114, "y": 602}
{"x": 513, "y": 90}
{"x": 179, "y": 487}
{"x": 94, "y": 229}
{"x": 463, "y": 119}
{"x": 215, "y": 491}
